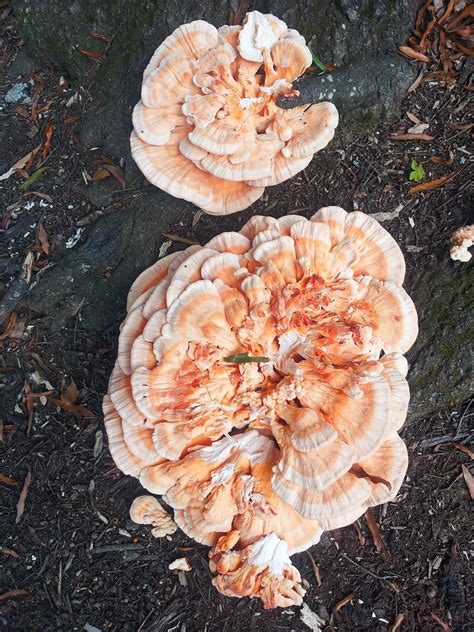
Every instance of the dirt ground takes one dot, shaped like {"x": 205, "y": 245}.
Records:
{"x": 73, "y": 560}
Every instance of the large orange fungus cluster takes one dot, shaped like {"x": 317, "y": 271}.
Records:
{"x": 260, "y": 387}
{"x": 207, "y": 127}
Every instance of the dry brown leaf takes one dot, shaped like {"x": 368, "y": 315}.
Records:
{"x": 417, "y": 81}
{"x": 413, "y": 54}
{"x": 103, "y": 38}
{"x": 100, "y": 174}
{"x": 374, "y": 529}
{"x": 463, "y": 448}
{"x": 43, "y": 238}
{"x": 398, "y": 622}
{"x": 20, "y": 508}
{"x": 16, "y": 592}
{"x": 8, "y": 327}
{"x": 43, "y": 196}
{"x": 22, "y": 111}
{"x": 19, "y": 164}
{"x": 48, "y": 137}
{"x": 444, "y": 626}
{"x": 92, "y": 54}
{"x": 469, "y": 478}
{"x": 68, "y": 403}
{"x": 177, "y": 238}
{"x": 431, "y": 184}
{"x": 413, "y": 118}
{"x": 7, "y": 551}
{"x": 7, "y": 480}
{"x": 340, "y": 605}
{"x": 411, "y": 137}
{"x": 117, "y": 173}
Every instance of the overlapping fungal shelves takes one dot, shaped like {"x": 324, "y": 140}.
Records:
{"x": 207, "y": 128}
{"x": 260, "y": 387}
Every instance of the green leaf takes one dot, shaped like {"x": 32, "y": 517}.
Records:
{"x": 417, "y": 172}
{"x": 316, "y": 61}
{"x": 32, "y": 179}
{"x": 243, "y": 358}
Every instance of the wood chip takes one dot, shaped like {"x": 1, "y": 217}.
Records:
{"x": 311, "y": 619}
{"x": 20, "y": 508}
{"x": 7, "y": 551}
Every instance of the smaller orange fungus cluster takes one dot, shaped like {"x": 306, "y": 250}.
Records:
{"x": 260, "y": 387}
{"x": 207, "y": 128}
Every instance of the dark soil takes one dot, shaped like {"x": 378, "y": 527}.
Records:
{"x": 75, "y": 556}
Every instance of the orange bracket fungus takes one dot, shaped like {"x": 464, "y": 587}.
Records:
{"x": 207, "y": 128}
{"x": 260, "y": 387}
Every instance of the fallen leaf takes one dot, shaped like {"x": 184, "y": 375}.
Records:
{"x": 20, "y": 508}
{"x": 43, "y": 196}
{"x": 7, "y": 480}
{"x": 92, "y": 54}
{"x": 463, "y": 448}
{"x": 341, "y": 604}
{"x": 469, "y": 478}
{"x": 16, "y": 592}
{"x": 444, "y": 626}
{"x": 181, "y": 240}
{"x": 19, "y": 164}
{"x": 33, "y": 178}
{"x": 411, "y": 137}
{"x": 413, "y": 118}
{"x": 117, "y": 173}
{"x": 413, "y": 54}
{"x": 22, "y": 111}
{"x": 398, "y": 622}
{"x": 27, "y": 267}
{"x": 48, "y": 137}
{"x": 7, "y": 551}
{"x": 8, "y": 327}
{"x": 103, "y": 38}
{"x": 431, "y": 184}
{"x": 68, "y": 401}
{"x": 417, "y": 81}
{"x": 43, "y": 238}
{"x": 100, "y": 174}
{"x": 374, "y": 529}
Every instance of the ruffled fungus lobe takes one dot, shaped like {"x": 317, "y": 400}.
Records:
{"x": 207, "y": 128}
{"x": 260, "y": 387}
{"x": 147, "y": 510}
{"x": 462, "y": 239}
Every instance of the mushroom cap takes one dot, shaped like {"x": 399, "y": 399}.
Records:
{"x": 208, "y": 128}
{"x": 147, "y": 510}
{"x": 259, "y": 388}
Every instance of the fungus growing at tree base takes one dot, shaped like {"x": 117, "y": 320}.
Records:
{"x": 260, "y": 387}
{"x": 207, "y": 128}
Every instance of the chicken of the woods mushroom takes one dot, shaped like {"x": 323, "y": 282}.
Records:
{"x": 207, "y": 128}
{"x": 260, "y": 387}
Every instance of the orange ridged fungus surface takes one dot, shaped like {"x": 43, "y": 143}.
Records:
{"x": 260, "y": 387}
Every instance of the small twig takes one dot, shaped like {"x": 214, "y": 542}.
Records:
{"x": 382, "y": 577}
